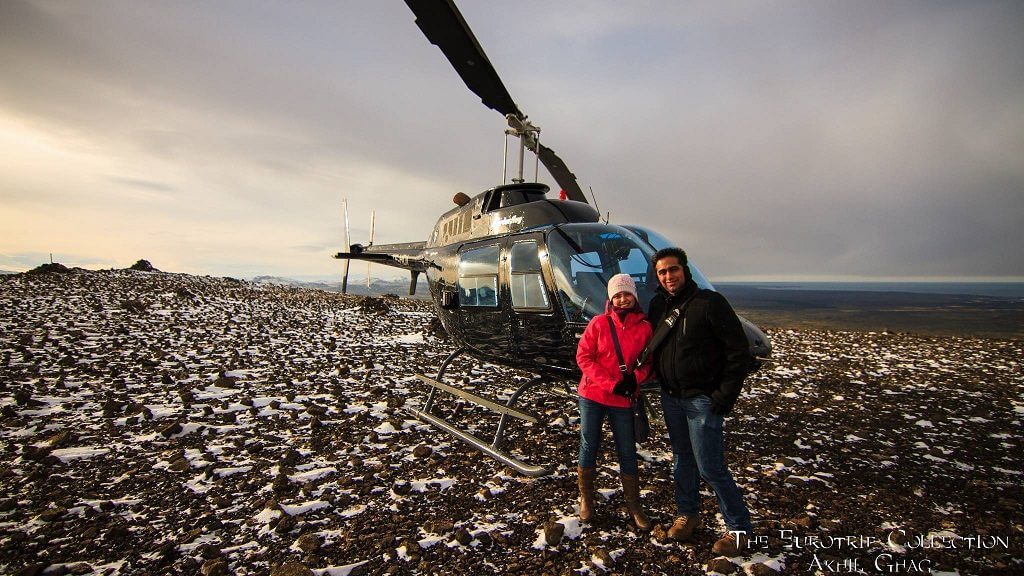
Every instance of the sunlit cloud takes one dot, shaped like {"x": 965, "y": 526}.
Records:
{"x": 769, "y": 139}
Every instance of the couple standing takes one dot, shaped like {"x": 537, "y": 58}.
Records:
{"x": 700, "y": 360}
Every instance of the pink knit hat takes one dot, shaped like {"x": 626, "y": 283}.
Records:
{"x": 621, "y": 283}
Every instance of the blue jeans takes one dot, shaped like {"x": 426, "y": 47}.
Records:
{"x": 621, "y": 420}
{"x": 698, "y": 451}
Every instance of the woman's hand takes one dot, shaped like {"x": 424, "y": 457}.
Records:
{"x": 626, "y": 387}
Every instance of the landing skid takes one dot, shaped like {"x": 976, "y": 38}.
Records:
{"x": 494, "y": 449}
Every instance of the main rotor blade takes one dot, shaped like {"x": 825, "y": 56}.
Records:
{"x": 561, "y": 173}
{"x": 444, "y": 26}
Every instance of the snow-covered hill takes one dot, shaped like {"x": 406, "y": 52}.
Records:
{"x": 163, "y": 423}
{"x": 377, "y": 287}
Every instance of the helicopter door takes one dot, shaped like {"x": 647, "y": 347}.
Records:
{"x": 536, "y": 329}
{"x": 480, "y": 310}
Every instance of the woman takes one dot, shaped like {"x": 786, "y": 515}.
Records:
{"x": 605, "y": 392}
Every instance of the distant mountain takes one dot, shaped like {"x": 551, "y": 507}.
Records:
{"x": 377, "y": 287}
{"x": 278, "y": 280}
{"x": 7, "y": 272}
{"x": 864, "y": 310}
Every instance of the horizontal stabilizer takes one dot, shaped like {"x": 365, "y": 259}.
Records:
{"x": 408, "y": 255}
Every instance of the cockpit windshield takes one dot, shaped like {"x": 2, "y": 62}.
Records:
{"x": 657, "y": 241}
{"x": 585, "y": 256}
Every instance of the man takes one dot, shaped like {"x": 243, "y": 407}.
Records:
{"x": 701, "y": 363}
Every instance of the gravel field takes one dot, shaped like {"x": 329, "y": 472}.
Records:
{"x": 155, "y": 423}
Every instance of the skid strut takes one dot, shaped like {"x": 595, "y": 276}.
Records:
{"x": 507, "y": 410}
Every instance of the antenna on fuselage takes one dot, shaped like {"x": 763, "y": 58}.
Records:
{"x": 348, "y": 246}
{"x": 594, "y": 198}
{"x": 373, "y": 214}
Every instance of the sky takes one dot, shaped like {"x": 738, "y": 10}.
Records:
{"x": 772, "y": 140}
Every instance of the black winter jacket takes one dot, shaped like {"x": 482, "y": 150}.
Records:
{"x": 706, "y": 352}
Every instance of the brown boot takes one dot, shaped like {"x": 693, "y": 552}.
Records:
{"x": 732, "y": 544}
{"x": 684, "y": 527}
{"x": 586, "y": 484}
{"x": 631, "y": 494}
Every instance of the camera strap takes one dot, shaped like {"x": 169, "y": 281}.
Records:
{"x": 618, "y": 348}
{"x": 664, "y": 328}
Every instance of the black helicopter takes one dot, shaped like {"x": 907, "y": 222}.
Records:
{"x": 515, "y": 276}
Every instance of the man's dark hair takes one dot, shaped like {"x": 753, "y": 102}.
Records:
{"x": 678, "y": 253}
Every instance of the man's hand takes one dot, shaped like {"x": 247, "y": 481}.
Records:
{"x": 719, "y": 405}
{"x": 626, "y": 387}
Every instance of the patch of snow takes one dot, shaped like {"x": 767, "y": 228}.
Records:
{"x": 409, "y": 339}
{"x": 222, "y": 472}
{"x": 266, "y": 515}
{"x": 441, "y": 484}
{"x": 430, "y": 540}
{"x": 352, "y": 511}
{"x": 314, "y": 474}
{"x": 297, "y": 509}
{"x": 78, "y": 453}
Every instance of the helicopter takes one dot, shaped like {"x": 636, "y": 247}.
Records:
{"x": 515, "y": 275}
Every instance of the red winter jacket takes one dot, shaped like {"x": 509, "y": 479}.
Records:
{"x": 597, "y": 359}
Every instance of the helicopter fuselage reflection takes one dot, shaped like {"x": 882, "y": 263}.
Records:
{"x": 516, "y": 277}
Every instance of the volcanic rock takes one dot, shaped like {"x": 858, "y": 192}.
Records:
{"x": 601, "y": 554}
{"x": 51, "y": 514}
{"x": 439, "y": 526}
{"x": 308, "y": 543}
{"x": 291, "y": 568}
{"x": 34, "y": 569}
{"x": 171, "y": 429}
{"x": 376, "y": 306}
{"x": 225, "y": 381}
{"x": 760, "y": 569}
{"x": 143, "y": 266}
{"x": 51, "y": 268}
{"x": 722, "y": 566}
{"x": 890, "y": 429}
{"x": 553, "y": 532}
{"x": 215, "y": 567}
{"x": 462, "y": 536}
{"x": 136, "y": 307}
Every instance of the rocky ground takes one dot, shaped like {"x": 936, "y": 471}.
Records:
{"x": 156, "y": 423}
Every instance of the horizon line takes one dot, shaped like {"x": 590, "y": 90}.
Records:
{"x": 726, "y": 279}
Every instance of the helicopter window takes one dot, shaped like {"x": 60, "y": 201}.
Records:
{"x": 478, "y": 291}
{"x": 478, "y": 277}
{"x": 636, "y": 265}
{"x": 492, "y": 201}
{"x": 514, "y": 197}
{"x": 527, "y": 280}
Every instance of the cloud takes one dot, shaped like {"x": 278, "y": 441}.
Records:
{"x": 766, "y": 137}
